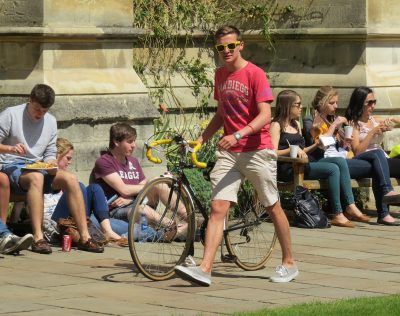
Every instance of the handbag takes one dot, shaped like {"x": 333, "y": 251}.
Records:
{"x": 308, "y": 213}
{"x": 67, "y": 226}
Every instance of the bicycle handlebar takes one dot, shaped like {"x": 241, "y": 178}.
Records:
{"x": 192, "y": 143}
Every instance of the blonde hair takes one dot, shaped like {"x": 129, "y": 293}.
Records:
{"x": 322, "y": 97}
{"x": 63, "y": 146}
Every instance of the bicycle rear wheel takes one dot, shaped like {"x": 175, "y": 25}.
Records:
{"x": 249, "y": 234}
{"x": 167, "y": 209}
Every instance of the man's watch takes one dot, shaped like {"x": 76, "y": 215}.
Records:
{"x": 237, "y": 136}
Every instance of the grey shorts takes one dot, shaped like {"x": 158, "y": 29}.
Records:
{"x": 231, "y": 168}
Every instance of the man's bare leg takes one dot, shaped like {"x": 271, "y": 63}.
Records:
{"x": 4, "y": 196}
{"x": 32, "y": 182}
{"x": 282, "y": 228}
{"x": 214, "y": 232}
{"x": 69, "y": 183}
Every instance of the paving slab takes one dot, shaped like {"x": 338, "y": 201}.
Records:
{"x": 335, "y": 263}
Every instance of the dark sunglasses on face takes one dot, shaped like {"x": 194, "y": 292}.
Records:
{"x": 371, "y": 102}
{"x": 231, "y": 46}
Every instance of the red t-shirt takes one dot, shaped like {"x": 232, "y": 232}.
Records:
{"x": 130, "y": 172}
{"x": 238, "y": 94}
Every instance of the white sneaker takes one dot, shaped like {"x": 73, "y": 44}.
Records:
{"x": 189, "y": 262}
{"x": 284, "y": 274}
{"x": 5, "y": 243}
{"x": 18, "y": 243}
{"x": 194, "y": 275}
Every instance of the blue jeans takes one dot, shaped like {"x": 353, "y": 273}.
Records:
{"x": 336, "y": 171}
{"x": 380, "y": 176}
{"x": 117, "y": 225}
{"x": 4, "y": 231}
{"x": 121, "y": 212}
{"x": 95, "y": 203}
{"x": 62, "y": 209}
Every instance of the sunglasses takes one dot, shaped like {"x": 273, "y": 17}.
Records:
{"x": 370, "y": 102}
{"x": 231, "y": 46}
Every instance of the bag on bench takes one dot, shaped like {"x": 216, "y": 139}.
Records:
{"x": 308, "y": 213}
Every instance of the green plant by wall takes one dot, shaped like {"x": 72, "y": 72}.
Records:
{"x": 178, "y": 45}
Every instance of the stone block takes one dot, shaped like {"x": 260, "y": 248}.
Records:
{"x": 102, "y": 108}
{"x": 88, "y": 12}
{"x": 21, "y": 13}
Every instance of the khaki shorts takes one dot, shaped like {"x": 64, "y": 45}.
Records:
{"x": 231, "y": 168}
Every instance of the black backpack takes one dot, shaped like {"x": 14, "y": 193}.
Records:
{"x": 308, "y": 213}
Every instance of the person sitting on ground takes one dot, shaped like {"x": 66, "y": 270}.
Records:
{"x": 35, "y": 129}
{"x": 285, "y": 129}
{"x": 56, "y": 205}
{"x": 368, "y": 135}
{"x": 120, "y": 174}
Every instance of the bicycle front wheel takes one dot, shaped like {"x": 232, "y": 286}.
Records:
{"x": 249, "y": 233}
{"x": 170, "y": 225}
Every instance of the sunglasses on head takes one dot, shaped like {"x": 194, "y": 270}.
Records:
{"x": 371, "y": 102}
{"x": 231, "y": 46}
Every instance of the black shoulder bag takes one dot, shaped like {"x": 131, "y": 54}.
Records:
{"x": 308, "y": 213}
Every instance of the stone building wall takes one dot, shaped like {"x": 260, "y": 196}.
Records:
{"x": 84, "y": 49}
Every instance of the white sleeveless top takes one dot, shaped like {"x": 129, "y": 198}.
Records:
{"x": 376, "y": 141}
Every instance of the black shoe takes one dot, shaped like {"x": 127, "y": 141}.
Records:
{"x": 381, "y": 221}
{"x": 391, "y": 199}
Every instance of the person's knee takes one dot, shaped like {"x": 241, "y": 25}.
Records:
{"x": 4, "y": 181}
{"x": 219, "y": 209}
{"x": 334, "y": 170}
{"x": 275, "y": 209}
{"x": 67, "y": 181}
{"x": 31, "y": 180}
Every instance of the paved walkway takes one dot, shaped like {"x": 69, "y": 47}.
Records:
{"x": 335, "y": 263}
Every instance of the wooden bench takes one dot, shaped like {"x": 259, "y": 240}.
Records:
{"x": 298, "y": 179}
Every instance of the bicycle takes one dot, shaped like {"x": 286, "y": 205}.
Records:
{"x": 249, "y": 234}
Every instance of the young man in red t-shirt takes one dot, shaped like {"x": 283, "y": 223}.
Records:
{"x": 244, "y": 110}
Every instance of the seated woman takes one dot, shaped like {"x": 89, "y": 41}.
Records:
{"x": 362, "y": 165}
{"x": 285, "y": 129}
{"x": 56, "y": 206}
{"x": 366, "y": 143}
{"x": 119, "y": 173}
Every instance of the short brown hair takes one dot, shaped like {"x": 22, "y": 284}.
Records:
{"x": 227, "y": 29}
{"x": 120, "y": 132}
{"x": 43, "y": 94}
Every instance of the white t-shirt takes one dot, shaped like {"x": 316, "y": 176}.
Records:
{"x": 50, "y": 203}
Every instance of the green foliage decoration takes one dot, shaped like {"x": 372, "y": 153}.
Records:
{"x": 179, "y": 42}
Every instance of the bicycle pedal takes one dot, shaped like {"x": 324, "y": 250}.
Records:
{"x": 228, "y": 258}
